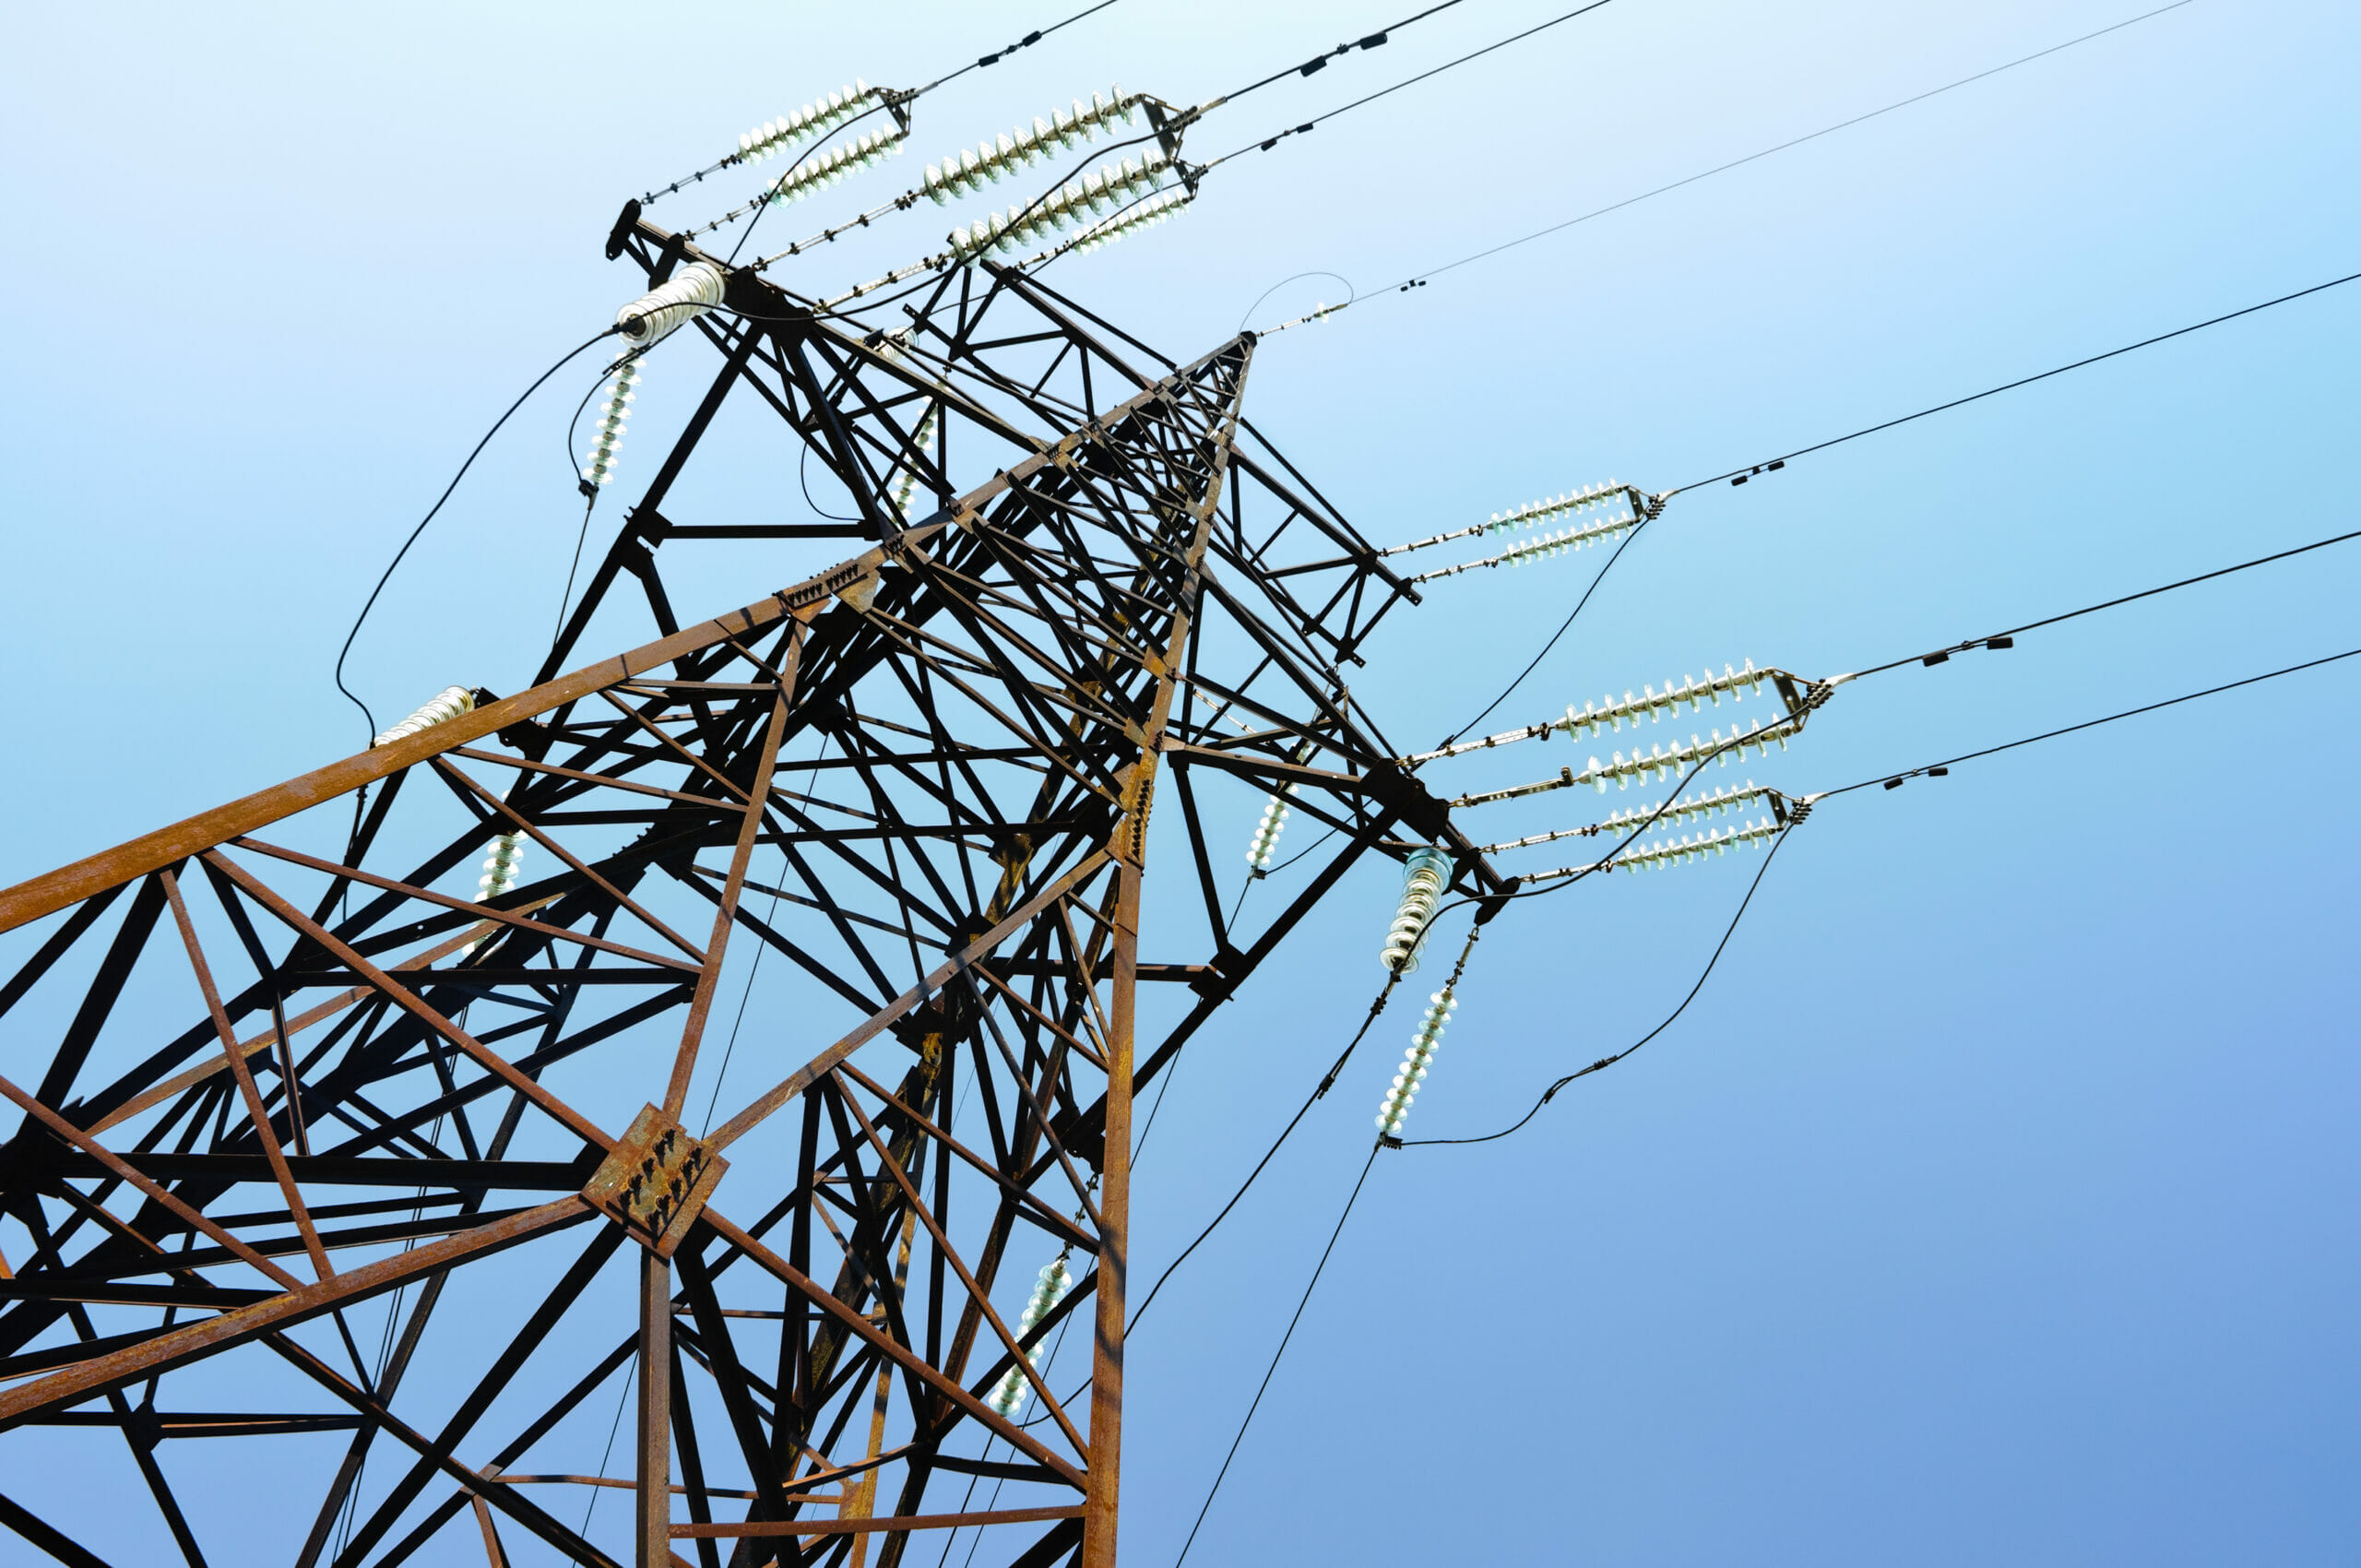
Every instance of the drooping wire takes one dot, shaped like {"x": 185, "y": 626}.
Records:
{"x": 1285, "y": 1340}
{"x": 1419, "y": 280}
{"x": 388, "y": 576}
{"x": 1564, "y": 628}
{"x": 1271, "y": 142}
{"x": 1606, "y": 1062}
{"x": 1890, "y": 780}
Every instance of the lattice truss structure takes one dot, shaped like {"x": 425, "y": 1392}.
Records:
{"x": 320, "y": 1137}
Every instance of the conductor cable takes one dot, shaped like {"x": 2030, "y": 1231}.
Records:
{"x": 386, "y": 577}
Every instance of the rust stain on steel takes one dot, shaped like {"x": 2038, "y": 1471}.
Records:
{"x": 655, "y": 1182}
{"x": 86, "y": 1378}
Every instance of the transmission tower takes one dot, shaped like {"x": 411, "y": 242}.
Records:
{"x": 292, "y": 1061}
{"x": 322, "y": 1131}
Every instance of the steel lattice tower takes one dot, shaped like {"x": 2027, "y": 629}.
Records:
{"x": 279, "y": 1066}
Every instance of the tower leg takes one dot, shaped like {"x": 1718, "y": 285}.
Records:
{"x": 1114, "y": 1243}
{"x": 652, "y": 1538}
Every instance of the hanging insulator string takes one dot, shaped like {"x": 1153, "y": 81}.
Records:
{"x": 1395, "y": 1107}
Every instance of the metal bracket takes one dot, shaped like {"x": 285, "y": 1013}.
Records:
{"x": 655, "y": 1182}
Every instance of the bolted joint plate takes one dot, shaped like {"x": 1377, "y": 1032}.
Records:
{"x": 655, "y": 1182}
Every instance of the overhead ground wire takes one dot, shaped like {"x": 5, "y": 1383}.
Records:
{"x": 1269, "y": 142}
{"x": 1419, "y": 278}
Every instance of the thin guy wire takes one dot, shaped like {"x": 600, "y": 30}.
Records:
{"x": 612, "y": 1427}
{"x": 1282, "y": 1351}
{"x": 771, "y": 917}
{"x": 1419, "y": 277}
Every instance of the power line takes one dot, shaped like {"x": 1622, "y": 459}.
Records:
{"x": 1417, "y": 279}
{"x": 1564, "y": 628}
{"x": 1320, "y": 62}
{"x": 344, "y": 652}
{"x": 1606, "y": 1062}
{"x": 1937, "y": 769}
{"x": 1890, "y": 782}
{"x": 1271, "y": 142}
{"x": 2006, "y": 638}
{"x": 1271, "y": 1371}
{"x": 1739, "y": 475}
{"x": 1027, "y": 42}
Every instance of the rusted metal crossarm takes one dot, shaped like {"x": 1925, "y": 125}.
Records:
{"x": 296, "y": 1304}
{"x": 485, "y": 912}
{"x": 506, "y": 1477}
{"x": 902, "y": 1355}
{"x": 877, "y": 1023}
{"x": 895, "y": 1522}
{"x": 207, "y": 1423}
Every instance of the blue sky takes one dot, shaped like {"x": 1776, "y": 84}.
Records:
{"x": 1996, "y": 1197}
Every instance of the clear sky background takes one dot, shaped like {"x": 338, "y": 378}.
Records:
{"x": 1995, "y": 1201}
